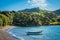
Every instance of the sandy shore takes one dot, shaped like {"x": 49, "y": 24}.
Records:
{"x": 4, "y": 35}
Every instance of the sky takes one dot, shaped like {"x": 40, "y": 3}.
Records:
{"x": 27, "y": 4}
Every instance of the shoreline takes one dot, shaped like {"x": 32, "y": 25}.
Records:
{"x": 4, "y": 35}
{"x": 6, "y": 27}
{"x": 13, "y": 35}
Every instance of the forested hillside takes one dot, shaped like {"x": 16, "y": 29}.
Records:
{"x": 29, "y": 17}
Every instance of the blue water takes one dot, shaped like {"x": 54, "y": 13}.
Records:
{"x": 48, "y": 33}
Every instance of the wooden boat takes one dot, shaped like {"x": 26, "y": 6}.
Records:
{"x": 34, "y": 33}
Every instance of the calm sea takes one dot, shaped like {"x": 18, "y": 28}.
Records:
{"x": 48, "y": 33}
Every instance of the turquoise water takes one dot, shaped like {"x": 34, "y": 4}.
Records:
{"x": 48, "y": 33}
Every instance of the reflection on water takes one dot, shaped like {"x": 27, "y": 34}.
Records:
{"x": 48, "y": 32}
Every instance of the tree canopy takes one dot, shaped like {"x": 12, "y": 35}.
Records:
{"x": 27, "y": 18}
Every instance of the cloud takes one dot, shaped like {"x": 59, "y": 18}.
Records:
{"x": 38, "y": 3}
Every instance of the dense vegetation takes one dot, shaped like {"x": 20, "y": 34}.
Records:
{"x": 29, "y": 17}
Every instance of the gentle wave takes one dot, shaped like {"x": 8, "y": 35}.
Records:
{"x": 21, "y": 38}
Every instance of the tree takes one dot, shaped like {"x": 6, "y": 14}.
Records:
{"x": 9, "y": 14}
{"x": 4, "y": 19}
{"x": 1, "y": 22}
{"x": 58, "y": 18}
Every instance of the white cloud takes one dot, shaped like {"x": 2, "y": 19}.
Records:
{"x": 39, "y": 3}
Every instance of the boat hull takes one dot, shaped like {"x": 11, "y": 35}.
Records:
{"x": 33, "y": 33}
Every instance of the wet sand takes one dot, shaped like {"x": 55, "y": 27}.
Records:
{"x": 4, "y": 35}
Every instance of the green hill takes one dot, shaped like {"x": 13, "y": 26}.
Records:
{"x": 30, "y": 17}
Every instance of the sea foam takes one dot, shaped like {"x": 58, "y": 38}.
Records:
{"x": 14, "y": 35}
